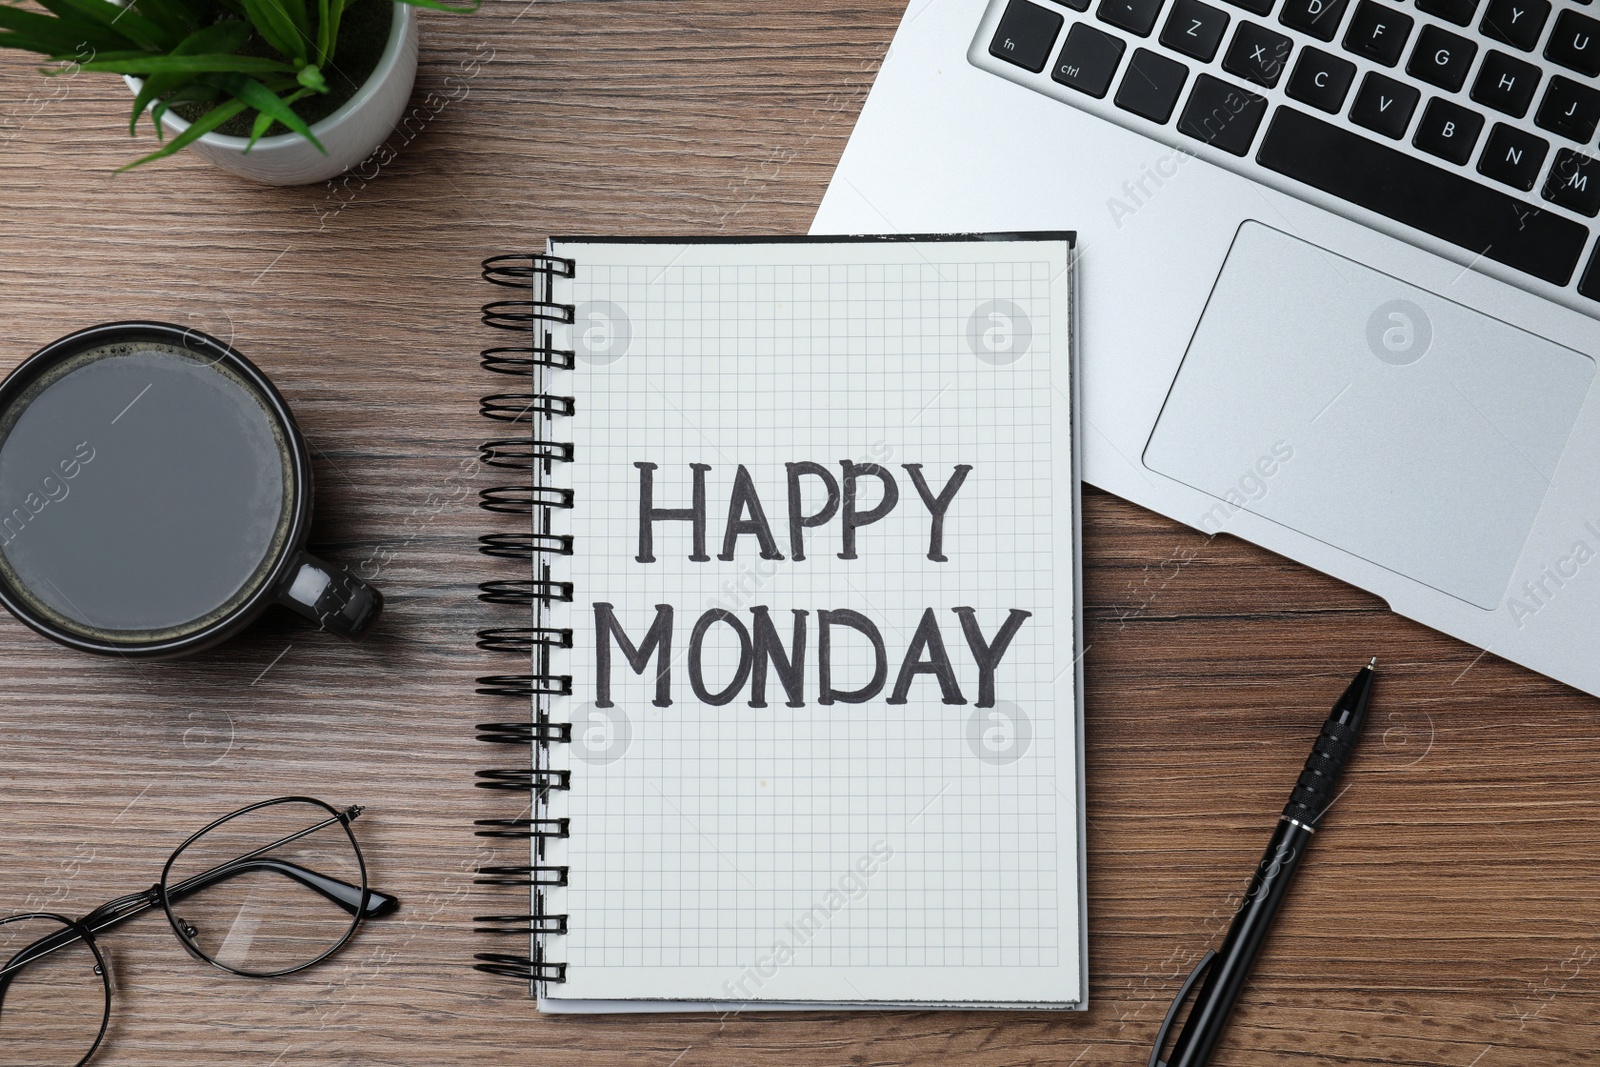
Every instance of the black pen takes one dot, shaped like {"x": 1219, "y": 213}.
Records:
{"x": 1225, "y": 969}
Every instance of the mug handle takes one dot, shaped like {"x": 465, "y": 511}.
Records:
{"x": 332, "y": 598}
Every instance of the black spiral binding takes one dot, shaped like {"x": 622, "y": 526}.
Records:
{"x": 531, "y": 314}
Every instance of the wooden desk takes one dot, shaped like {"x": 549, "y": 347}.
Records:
{"x": 1449, "y": 916}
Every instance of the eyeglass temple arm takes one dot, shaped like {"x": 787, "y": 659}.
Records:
{"x": 112, "y": 913}
{"x": 345, "y": 895}
{"x": 116, "y": 912}
{"x": 341, "y": 893}
{"x": 54, "y": 942}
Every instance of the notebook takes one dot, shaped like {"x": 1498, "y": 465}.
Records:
{"x": 807, "y": 628}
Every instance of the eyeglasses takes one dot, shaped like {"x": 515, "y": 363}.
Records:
{"x": 272, "y": 889}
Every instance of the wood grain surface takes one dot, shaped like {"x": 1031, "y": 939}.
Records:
{"x": 1448, "y": 915}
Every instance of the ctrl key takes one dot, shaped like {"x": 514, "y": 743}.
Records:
{"x": 1088, "y": 60}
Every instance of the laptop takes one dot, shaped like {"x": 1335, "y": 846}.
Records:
{"x": 1340, "y": 292}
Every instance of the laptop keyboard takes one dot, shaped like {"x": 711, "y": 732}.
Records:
{"x": 1472, "y": 121}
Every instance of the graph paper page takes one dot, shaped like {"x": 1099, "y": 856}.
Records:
{"x": 797, "y": 776}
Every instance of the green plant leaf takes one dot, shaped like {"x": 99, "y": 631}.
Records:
{"x": 122, "y": 53}
{"x": 125, "y": 21}
{"x": 311, "y": 77}
{"x": 191, "y": 93}
{"x": 335, "y": 17}
{"x": 159, "y": 91}
{"x": 42, "y": 27}
{"x": 460, "y": 9}
{"x": 212, "y": 64}
{"x": 201, "y": 12}
{"x": 264, "y": 121}
{"x": 224, "y": 37}
{"x": 75, "y": 21}
{"x": 155, "y": 87}
{"x": 29, "y": 44}
{"x": 296, "y": 10}
{"x": 197, "y": 129}
{"x": 172, "y": 16}
{"x": 267, "y": 102}
{"x": 262, "y": 124}
{"x": 70, "y": 63}
{"x": 277, "y": 29}
{"x": 61, "y": 35}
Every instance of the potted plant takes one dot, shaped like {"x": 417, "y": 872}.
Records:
{"x": 280, "y": 91}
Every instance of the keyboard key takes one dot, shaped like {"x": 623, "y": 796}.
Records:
{"x": 1088, "y": 60}
{"x": 1384, "y": 105}
{"x": 1151, "y": 86}
{"x": 1255, "y": 7}
{"x": 1222, "y": 115}
{"x": 1441, "y": 58}
{"x": 1077, "y": 5}
{"x": 1319, "y": 18}
{"x": 1135, "y": 16}
{"x": 1512, "y": 156}
{"x": 1575, "y": 43}
{"x": 1505, "y": 84}
{"x": 1570, "y": 109}
{"x": 1448, "y": 131}
{"x": 1378, "y": 32}
{"x": 1459, "y": 12}
{"x": 1589, "y": 284}
{"x": 1517, "y": 23}
{"x": 1574, "y": 182}
{"x": 1257, "y": 54}
{"x": 1321, "y": 80}
{"x": 1027, "y": 33}
{"x": 1411, "y": 191}
{"x": 1195, "y": 29}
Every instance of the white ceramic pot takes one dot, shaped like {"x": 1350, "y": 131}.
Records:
{"x": 350, "y": 134}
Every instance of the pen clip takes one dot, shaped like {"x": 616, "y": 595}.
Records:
{"x": 1177, "y": 1002}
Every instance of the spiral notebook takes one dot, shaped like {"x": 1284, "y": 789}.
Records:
{"x": 806, "y": 687}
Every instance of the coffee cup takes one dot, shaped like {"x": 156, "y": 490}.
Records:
{"x": 155, "y": 497}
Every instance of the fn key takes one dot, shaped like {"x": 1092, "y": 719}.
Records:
{"x": 1025, "y": 35}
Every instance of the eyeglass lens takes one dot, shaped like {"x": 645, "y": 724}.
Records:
{"x": 53, "y": 997}
{"x": 267, "y": 891}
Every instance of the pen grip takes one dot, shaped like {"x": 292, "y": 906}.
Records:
{"x": 1230, "y": 969}
{"x": 1315, "y": 789}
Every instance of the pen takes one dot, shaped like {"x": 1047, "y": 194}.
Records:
{"x": 1226, "y": 969}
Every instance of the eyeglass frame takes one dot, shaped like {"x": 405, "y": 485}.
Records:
{"x": 368, "y": 904}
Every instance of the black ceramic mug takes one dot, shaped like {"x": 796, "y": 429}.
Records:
{"x": 155, "y": 497}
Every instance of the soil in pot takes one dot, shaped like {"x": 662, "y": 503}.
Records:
{"x": 363, "y": 35}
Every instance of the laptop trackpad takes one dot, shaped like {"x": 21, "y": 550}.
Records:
{"x": 1380, "y": 418}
